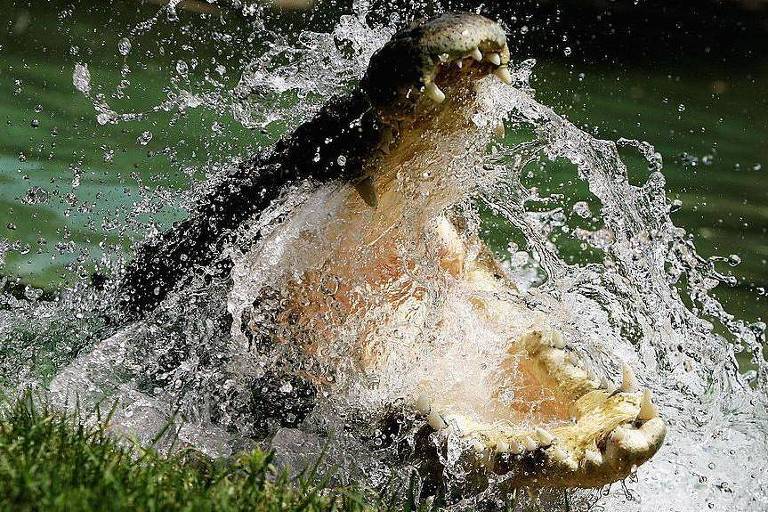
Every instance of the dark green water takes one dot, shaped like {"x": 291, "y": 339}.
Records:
{"x": 68, "y": 184}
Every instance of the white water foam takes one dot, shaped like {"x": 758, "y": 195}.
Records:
{"x": 646, "y": 300}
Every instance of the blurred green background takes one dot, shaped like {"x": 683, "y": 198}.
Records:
{"x": 691, "y": 80}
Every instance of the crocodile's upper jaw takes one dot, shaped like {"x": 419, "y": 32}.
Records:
{"x": 430, "y": 57}
{"x": 423, "y": 85}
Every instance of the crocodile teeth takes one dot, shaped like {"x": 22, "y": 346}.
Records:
{"x": 627, "y": 439}
{"x": 593, "y": 456}
{"x": 530, "y": 444}
{"x": 434, "y": 93}
{"x": 561, "y": 456}
{"x": 515, "y": 448}
{"x": 648, "y": 409}
{"x": 460, "y": 63}
{"x": 494, "y": 58}
{"x": 423, "y": 404}
{"x": 500, "y": 131}
{"x": 436, "y": 421}
{"x": 476, "y": 54}
{"x": 544, "y": 437}
{"x": 503, "y": 74}
{"x": 367, "y": 190}
{"x": 628, "y": 381}
{"x": 502, "y": 447}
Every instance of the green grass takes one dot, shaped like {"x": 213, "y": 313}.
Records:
{"x": 53, "y": 462}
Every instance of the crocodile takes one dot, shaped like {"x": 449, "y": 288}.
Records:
{"x": 381, "y": 272}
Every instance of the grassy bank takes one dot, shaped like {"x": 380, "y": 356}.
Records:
{"x": 50, "y": 462}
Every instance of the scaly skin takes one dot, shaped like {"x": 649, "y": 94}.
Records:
{"x": 563, "y": 428}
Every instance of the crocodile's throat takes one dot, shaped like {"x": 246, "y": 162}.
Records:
{"x": 391, "y": 296}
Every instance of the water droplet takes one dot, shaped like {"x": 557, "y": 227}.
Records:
{"x": 182, "y": 68}
{"x": 124, "y": 46}
{"x": 81, "y": 78}
{"x": 681, "y": 108}
{"x": 144, "y": 138}
{"x": 103, "y": 118}
{"x": 35, "y": 195}
{"x": 581, "y": 209}
{"x": 567, "y": 51}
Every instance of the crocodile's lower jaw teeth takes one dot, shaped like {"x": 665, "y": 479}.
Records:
{"x": 612, "y": 431}
{"x": 434, "y": 93}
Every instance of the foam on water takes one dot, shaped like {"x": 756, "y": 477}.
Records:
{"x": 645, "y": 299}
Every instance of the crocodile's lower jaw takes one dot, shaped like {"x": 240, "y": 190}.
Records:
{"x": 547, "y": 420}
{"x": 583, "y": 434}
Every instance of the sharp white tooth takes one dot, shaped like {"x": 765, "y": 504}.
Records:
{"x": 460, "y": 63}
{"x": 646, "y": 439}
{"x": 530, "y": 444}
{"x": 477, "y": 446}
{"x": 493, "y": 58}
{"x": 648, "y": 409}
{"x": 544, "y": 437}
{"x": 367, "y": 190}
{"x": 557, "y": 454}
{"x": 436, "y": 421}
{"x": 476, "y": 54}
{"x": 503, "y": 74}
{"x": 424, "y": 404}
{"x": 515, "y": 448}
{"x": 500, "y": 131}
{"x": 502, "y": 447}
{"x": 593, "y": 456}
{"x": 434, "y": 93}
{"x": 628, "y": 380}
{"x": 443, "y": 57}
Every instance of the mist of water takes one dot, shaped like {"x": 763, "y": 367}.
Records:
{"x": 643, "y": 296}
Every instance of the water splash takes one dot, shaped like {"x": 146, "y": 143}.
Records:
{"x": 641, "y": 295}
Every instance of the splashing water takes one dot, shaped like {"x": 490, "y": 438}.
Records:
{"x": 642, "y": 295}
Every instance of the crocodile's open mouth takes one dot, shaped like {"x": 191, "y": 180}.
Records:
{"x": 548, "y": 421}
